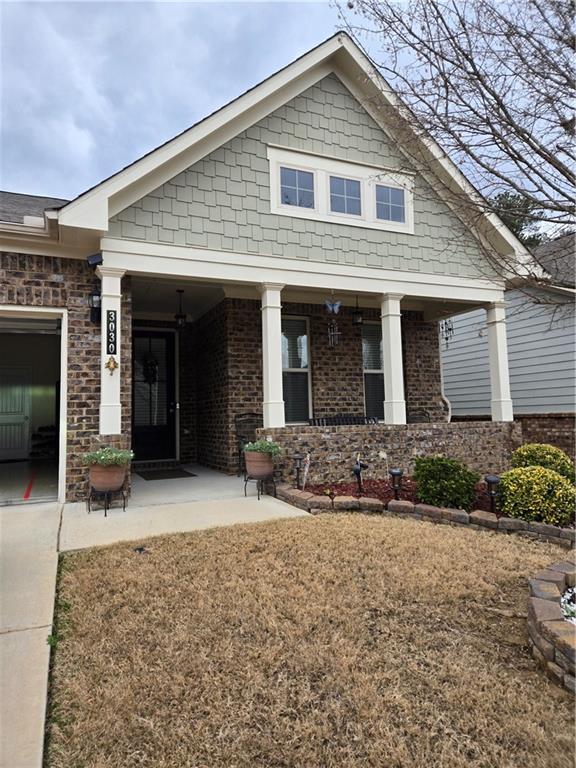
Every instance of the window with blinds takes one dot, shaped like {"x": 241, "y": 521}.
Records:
{"x": 295, "y": 369}
{"x": 373, "y": 370}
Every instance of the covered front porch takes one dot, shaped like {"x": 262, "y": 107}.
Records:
{"x": 281, "y": 354}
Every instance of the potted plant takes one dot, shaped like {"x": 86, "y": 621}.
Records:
{"x": 108, "y": 468}
{"x": 259, "y": 457}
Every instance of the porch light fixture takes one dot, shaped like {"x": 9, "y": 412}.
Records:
{"x": 95, "y": 304}
{"x": 492, "y": 482}
{"x": 396, "y": 475}
{"x": 447, "y": 331}
{"x": 180, "y": 316}
{"x": 357, "y": 318}
{"x": 297, "y": 458}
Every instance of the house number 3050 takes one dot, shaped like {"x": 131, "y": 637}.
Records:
{"x": 111, "y": 331}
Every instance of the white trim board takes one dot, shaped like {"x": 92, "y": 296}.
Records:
{"x": 9, "y": 310}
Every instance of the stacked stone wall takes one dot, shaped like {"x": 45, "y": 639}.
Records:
{"x": 483, "y": 446}
{"x": 51, "y": 282}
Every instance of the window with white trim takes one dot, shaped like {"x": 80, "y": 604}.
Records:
{"x": 295, "y": 369}
{"x": 345, "y": 196}
{"x": 373, "y": 370}
{"x": 309, "y": 186}
{"x": 297, "y": 187}
{"x": 390, "y": 203}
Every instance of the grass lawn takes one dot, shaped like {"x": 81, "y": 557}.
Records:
{"x": 339, "y": 640}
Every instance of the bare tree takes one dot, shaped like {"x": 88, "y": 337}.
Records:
{"x": 492, "y": 81}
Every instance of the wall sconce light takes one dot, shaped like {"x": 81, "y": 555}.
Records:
{"x": 95, "y": 304}
{"x": 396, "y": 475}
{"x": 492, "y": 482}
{"x": 180, "y": 316}
{"x": 297, "y": 458}
{"x": 357, "y": 318}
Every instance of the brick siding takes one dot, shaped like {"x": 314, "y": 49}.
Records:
{"x": 43, "y": 281}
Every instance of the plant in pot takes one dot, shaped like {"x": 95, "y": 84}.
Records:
{"x": 259, "y": 457}
{"x": 108, "y": 468}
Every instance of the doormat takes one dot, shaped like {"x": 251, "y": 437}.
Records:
{"x": 164, "y": 474}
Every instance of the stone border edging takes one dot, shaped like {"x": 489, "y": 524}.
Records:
{"x": 552, "y": 638}
{"x": 564, "y": 537}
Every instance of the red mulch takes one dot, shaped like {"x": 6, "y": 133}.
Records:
{"x": 382, "y": 489}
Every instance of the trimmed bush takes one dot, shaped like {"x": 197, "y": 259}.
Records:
{"x": 544, "y": 455}
{"x": 537, "y": 493}
{"x": 445, "y": 482}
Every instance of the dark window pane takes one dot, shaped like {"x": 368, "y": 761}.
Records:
{"x": 295, "y": 387}
{"x": 305, "y": 199}
{"x": 374, "y": 394}
{"x": 305, "y": 180}
{"x": 287, "y": 177}
{"x": 353, "y": 206}
{"x": 337, "y": 204}
{"x": 352, "y": 188}
{"x": 294, "y": 343}
{"x": 289, "y": 196}
{"x": 337, "y": 186}
{"x": 382, "y": 194}
{"x": 383, "y": 211}
{"x": 372, "y": 346}
{"x": 397, "y": 196}
{"x": 396, "y": 213}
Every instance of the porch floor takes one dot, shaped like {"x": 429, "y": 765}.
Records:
{"x": 28, "y": 481}
{"x": 207, "y": 484}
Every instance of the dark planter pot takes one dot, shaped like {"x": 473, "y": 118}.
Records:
{"x": 258, "y": 465}
{"x": 107, "y": 478}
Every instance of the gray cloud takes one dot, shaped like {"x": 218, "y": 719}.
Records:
{"x": 87, "y": 88}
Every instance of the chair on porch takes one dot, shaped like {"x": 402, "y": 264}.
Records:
{"x": 246, "y": 425}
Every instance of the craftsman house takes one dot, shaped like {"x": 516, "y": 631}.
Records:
{"x": 284, "y": 257}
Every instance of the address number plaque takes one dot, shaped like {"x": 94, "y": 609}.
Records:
{"x": 111, "y": 329}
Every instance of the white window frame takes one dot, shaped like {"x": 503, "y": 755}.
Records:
{"x": 372, "y": 370}
{"x": 307, "y": 370}
{"x": 323, "y": 167}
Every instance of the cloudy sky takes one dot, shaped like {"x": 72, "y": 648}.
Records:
{"x": 88, "y": 87}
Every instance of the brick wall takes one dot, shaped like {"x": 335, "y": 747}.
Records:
{"x": 422, "y": 374}
{"x": 554, "y": 428}
{"x": 187, "y": 393}
{"x": 42, "y": 281}
{"x": 483, "y": 446}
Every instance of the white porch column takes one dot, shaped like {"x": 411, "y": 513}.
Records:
{"x": 273, "y": 404}
{"x": 394, "y": 402}
{"x": 501, "y": 402}
{"x": 110, "y": 355}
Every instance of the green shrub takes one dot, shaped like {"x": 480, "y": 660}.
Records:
{"x": 264, "y": 446}
{"x": 108, "y": 456}
{"x": 445, "y": 482}
{"x": 544, "y": 455}
{"x": 537, "y": 493}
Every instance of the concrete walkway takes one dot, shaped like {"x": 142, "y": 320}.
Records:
{"x": 81, "y": 530}
{"x": 28, "y": 563}
{"x": 29, "y": 544}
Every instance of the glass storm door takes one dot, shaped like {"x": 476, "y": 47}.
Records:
{"x": 153, "y": 396}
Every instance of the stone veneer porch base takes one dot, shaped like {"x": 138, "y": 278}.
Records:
{"x": 484, "y": 446}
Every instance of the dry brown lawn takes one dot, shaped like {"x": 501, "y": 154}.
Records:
{"x": 340, "y": 640}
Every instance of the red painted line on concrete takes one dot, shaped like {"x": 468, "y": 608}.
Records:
{"x": 28, "y": 490}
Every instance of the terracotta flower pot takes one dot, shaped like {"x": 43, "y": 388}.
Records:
{"x": 107, "y": 478}
{"x": 258, "y": 465}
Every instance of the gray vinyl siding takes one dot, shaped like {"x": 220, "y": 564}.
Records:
{"x": 541, "y": 356}
{"x": 223, "y": 201}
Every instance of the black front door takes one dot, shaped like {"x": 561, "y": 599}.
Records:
{"x": 153, "y": 396}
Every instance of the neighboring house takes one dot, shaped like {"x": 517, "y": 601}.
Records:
{"x": 298, "y": 192}
{"x": 541, "y": 354}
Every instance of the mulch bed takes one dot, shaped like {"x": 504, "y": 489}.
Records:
{"x": 382, "y": 489}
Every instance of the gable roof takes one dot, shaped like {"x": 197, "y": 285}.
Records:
{"x": 338, "y": 54}
{"x": 557, "y": 256}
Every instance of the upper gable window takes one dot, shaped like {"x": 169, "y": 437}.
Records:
{"x": 345, "y": 196}
{"x": 310, "y": 186}
{"x": 297, "y": 187}
{"x": 390, "y": 203}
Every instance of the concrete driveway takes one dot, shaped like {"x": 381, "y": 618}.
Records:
{"x": 28, "y": 564}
